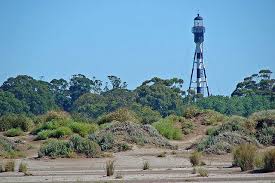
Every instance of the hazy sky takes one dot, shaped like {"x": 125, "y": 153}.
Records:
{"x": 136, "y": 39}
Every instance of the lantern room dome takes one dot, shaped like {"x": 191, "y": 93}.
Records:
{"x": 198, "y": 17}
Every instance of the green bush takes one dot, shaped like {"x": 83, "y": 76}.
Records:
{"x": 13, "y": 132}
{"x": 146, "y": 114}
{"x": 61, "y": 132}
{"x": 212, "y": 117}
{"x": 168, "y": 129}
{"x": 8, "y": 149}
{"x": 43, "y": 135}
{"x": 266, "y": 135}
{"x": 191, "y": 111}
{"x": 106, "y": 142}
{"x": 55, "y": 148}
{"x": 15, "y": 121}
{"x": 244, "y": 156}
{"x": 121, "y": 115}
{"x": 269, "y": 160}
{"x": 83, "y": 129}
{"x": 55, "y": 115}
{"x": 195, "y": 158}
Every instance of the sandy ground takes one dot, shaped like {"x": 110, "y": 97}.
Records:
{"x": 175, "y": 167}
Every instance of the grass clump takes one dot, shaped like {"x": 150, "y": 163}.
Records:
{"x": 121, "y": 115}
{"x": 110, "y": 167}
{"x": 244, "y": 156}
{"x": 195, "y": 158}
{"x": 146, "y": 165}
{"x": 83, "y": 129}
{"x": 61, "y": 132}
{"x": 202, "y": 172}
{"x": 10, "y": 166}
{"x": 211, "y": 117}
{"x": 168, "y": 129}
{"x": 8, "y": 149}
{"x": 269, "y": 160}
{"x": 13, "y": 132}
{"x": 23, "y": 168}
{"x": 43, "y": 135}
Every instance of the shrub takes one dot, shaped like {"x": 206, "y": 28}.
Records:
{"x": 191, "y": 111}
{"x": 55, "y": 115}
{"x": 110, "y": 167}
{"x": 106, "y": 142}
{"x": 121, "y": 115}
{"x": 83, "y": 129}
{"x": 202, "y": 172}
{"x": 8, "y": 149}
{"x": 61, "y": 132}
{"x": 55, "y": 148}
{"x": 168, "y": 129}
{"x": 187, "y": 126}
{"x": 195, "y": 158}
{"x": 146, "y": 165}
{"x": 15, "y": 121}
{"x": 10, "y": 166}
{"x": 266, "y": 135}
{"x": 146, "y": 114}
{"x": 13, "y": 132}
{"x": 269, "y": 160}
{"x": 244, "y": 156}
{"x": 211, "y": 117}
{"x": 23, "y": 168}
{"x": 43, "y": 135}
{"x": 123, "y": 147}
{"x": 84, "y": 146}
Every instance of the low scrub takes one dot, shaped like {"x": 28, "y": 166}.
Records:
{"x": 76, "y": 145}
{"x": 13, "y": 132}
{"x": 10, "y": 166}
{"x": 211, "y": 117}
{"x": 195, "y": 158}
{"x": 8, "y": 149}
{"x": 224, "y": 138}
{"x": 23, "y": 168}
{"x": 63, "y": 128}
{"x": 168, "y": 129}
{"x": 145, "y": 114}
{"x": 202, "y": 172}
{"x": 15, "y": 121}
{"x": 116, "y": 134}
{"x": 55, "y": 148}
{"x": 269, "y": 160}
{"x": 191, "y": 111}
{"x": 110, "y": 167}
{"x": 244, "y": 156}
{"x": 121, "y": 115}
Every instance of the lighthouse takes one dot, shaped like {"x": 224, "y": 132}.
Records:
{"x": 198, "y": 79}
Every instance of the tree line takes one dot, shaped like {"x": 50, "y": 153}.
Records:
{"x": 90, "y": 98}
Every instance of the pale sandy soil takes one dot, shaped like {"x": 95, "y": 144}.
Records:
{"x": 175, "y": 167}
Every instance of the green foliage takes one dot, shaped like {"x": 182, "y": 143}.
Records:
{"x": 195, "y": 158}
{"x": 13, "y": 132}
{"x": 146, "y": 114}
{"x": 244, "y": 156}
{"x": 61, "y": 132}
{"x": 83, "y": 129}
{"x": 168, "y": 129}
{"x": 106, "y": 142}
{"x": 211, "y": 117}
{"x": 35, "y": 94}
{"x": 43, "y": 135}
{"x": 164, "y": 96}
{"x": 55, "y": 148}
{"x": 15, "y": 121}
{"x": 85, "y": 146}
{"x": 121, "y": 115}
{"x": 55, "y": 115}
{"x": 9, "y": 104}
{"x": 269, "y": 160}
{"x": 191, "y": 111}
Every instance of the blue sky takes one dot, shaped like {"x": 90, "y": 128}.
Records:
{"x": 136, "y": 39}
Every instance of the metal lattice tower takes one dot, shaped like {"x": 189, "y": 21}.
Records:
{"x": 200, "y": 82}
